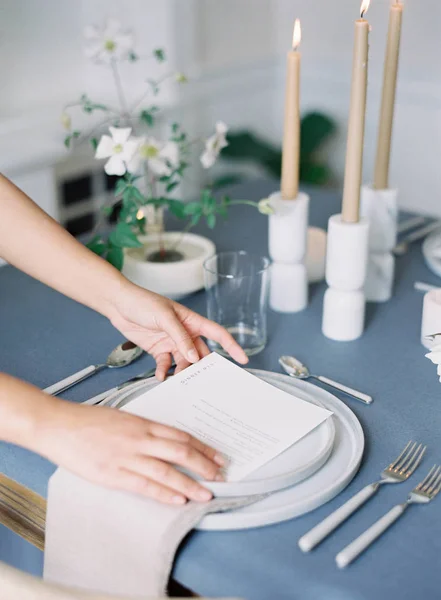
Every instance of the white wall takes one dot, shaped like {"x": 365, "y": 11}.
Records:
{"x": 235, "y": 51}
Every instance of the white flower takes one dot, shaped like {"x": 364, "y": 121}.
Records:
{"x": 161, "y": 158}
{"x": 214, "y": 145}
{"x": 264, "y": 207}
{"x": 109, "y": 42}
{"x": 435, "y": 353}
{"x": 119, "y": 149}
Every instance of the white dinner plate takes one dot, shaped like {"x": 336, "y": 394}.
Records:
{"x": 318, "y": 489}
{"x": 295, "y": 464}
{"x": 431, "y": 249}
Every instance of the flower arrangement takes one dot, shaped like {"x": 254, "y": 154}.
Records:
{"x": 148, "y": 170}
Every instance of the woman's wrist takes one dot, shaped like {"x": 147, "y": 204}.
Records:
{"x": 23, "y": 411}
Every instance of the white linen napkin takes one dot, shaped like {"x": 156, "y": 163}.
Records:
{"x": 114, "y": 542}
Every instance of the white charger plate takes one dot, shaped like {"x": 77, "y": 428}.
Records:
{"x": 296, "y": 463}
{"x": 318, "y": 489}
{"x": 431, "y": 249}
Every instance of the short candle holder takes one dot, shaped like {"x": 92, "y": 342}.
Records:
{"x": 288, "y": 228}
{"x": 380, "y": 208}
{"x": 346, "y": 263}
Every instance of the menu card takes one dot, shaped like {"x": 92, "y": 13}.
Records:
{"x": 246, "y": 419}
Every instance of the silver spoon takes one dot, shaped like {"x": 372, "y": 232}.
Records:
{"x": 121, "y": 356}
{"x": 296, "y": 369}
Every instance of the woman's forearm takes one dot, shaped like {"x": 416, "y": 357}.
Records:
{"x": 36, "y": 244}
{"x": 23, "y": 409}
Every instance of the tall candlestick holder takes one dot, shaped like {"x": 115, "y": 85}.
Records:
{"x": 288, "y": 228}
{"x": 380, "y": 207}
{"x": 346, "y": 265}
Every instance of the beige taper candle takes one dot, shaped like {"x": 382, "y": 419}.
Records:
{"x": 291, "y": 132}
{"x": 381, "y": 175}
{"x": 357, "y": 112}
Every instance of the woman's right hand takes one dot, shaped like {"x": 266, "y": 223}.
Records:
{"x": 122, "y": 451}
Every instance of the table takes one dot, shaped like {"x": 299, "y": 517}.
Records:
{"x": 46, "y": 337}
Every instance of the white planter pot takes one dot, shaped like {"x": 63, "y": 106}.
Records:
{"x": 174, "y": 279}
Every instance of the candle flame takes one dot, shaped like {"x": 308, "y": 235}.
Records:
{"x": 364, "y": 7}
{"x": 296, "y": 35}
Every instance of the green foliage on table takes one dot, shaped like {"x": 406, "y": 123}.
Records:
{"x": 147, "y": 170}
{"x": 316, "y": 129}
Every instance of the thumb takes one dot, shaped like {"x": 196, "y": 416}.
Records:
{"x": 180, "y": 336}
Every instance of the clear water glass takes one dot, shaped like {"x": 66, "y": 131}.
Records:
{"x": 236, "y": 286}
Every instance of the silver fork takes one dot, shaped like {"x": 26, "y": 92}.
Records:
{"x": 423, "y": 493}
{"x": 398, "y": 471}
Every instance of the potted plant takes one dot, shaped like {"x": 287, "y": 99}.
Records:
{"x": 148, "y": 172}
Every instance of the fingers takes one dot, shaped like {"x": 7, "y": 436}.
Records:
{"x": 170, "y": 433}
{"x": 215, "y": 332}
{"x": 163, "y": 364}
{"x": 182, "y": 454}
{"x": 202, "y": 347}
{"x": 162, "y": 478}
{"x": 134, "y": 482}
{"x": 180, "y": 362}
{"x": 180, "y": 336}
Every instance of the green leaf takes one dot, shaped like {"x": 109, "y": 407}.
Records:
{"x": 120, "y": 186}
{"x": 175, "y": 127}
{"x": 211, "y": 220}
{"x": 147, "y": 117}
{"x": 67, "y": 140}
{"x": 159, "y": 54}
{"x": 133, "y": 57}
{"x": 193, "y": 208}
{"x": 177, "y": 208}
{"x": 153, "y": 86}
{"x": 315, "y": 174}
{"x": 315, "y": 129}
{"x": 107, "y": 210}
{"x": 123, "y": 237}
{"x": 226, "y": 200}
{"x": 115, "y": 257}
{"x": 171, "y": 186}
{"x": 195, "y": 219}
{"x": 88, "y": 106}
{"x": 222, "y": 211}
{"x": 94, "y": 143}
{"x": 137, "y": 195}
{"x": 76, "y": 134}
{"x": 97, "y": 245}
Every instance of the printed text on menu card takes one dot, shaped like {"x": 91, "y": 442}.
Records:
{"x": 238, "y": 414}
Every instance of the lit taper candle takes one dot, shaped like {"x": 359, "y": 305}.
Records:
{"x": 291, "y": 133}
{"x": 357, "y": 113}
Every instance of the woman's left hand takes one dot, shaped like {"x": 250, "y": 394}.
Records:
{"x": 166, "y": 329}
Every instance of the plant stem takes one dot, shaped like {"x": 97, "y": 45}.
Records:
{"x": 120, "y": 90}
{"x": 244, "y": 202}
{"x": 149, "y": 91}
{"x": 183, "y": 232}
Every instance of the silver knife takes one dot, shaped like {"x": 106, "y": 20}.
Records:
{"x": 100, "y": 397}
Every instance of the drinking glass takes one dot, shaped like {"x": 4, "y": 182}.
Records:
{"x": 237, "y": 296}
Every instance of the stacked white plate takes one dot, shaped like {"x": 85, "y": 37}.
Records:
{"x": 305, "y": 476}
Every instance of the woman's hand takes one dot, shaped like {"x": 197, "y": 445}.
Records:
{"x": 122, "y": 451}
{"x": 164, "y": 328}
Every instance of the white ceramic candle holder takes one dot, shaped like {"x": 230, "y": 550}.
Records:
{"x": 346, "y": 266}
{"x": 288, "y": 228}
{"x": 380, "y": 207}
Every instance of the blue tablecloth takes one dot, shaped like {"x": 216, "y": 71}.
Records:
{"x": 45, "y": 337}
